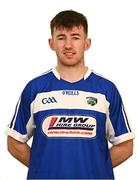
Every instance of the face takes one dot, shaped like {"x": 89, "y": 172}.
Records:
{"x": 69, "y": 45}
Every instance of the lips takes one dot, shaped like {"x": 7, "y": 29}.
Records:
{"x": 68, "y": 53}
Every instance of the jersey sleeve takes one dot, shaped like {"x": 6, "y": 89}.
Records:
{"x": 22, "y": 124}
{"x": 117, "y": 126}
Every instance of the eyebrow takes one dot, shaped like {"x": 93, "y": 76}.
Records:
{"x": 73, "y": 34}
{"x": 59, "y": 35}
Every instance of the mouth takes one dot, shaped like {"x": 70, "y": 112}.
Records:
{"x": 69, "y": 54}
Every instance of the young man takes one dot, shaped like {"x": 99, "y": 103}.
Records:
{"x": 71, "y": 113}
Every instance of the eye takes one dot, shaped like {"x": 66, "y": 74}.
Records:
{"x": 76, "y": 38}
{"x": 60, "y": 38}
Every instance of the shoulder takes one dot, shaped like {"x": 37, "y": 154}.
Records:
{"x": 103, "y": 86}
{"x": 42, "y": 77}
{"x": 36, "y": 84}
{"x": 102, "y": 82}
{"x": 38, "y": 80}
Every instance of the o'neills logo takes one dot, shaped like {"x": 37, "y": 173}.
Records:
{"x": 69, "y": 126}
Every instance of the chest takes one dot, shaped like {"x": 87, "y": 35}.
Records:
{"x": 70, "y": 113}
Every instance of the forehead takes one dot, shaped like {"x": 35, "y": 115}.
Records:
{"x": 70, "y": 30}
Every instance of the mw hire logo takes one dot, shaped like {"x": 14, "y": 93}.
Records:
{"x": 69, "y": 126}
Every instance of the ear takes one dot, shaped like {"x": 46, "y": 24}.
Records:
{"x": 51, "y": 44}
{"x": 87, "y": 44}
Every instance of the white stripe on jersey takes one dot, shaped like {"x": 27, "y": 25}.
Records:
{"x": 98, "y": 74}
{"x": 30, "y": 125}
{"x": 16, "y": 112}
{"x": 126, "y": 119}
{"x": 46, "y": 72}
{"x": 70, "y": 101}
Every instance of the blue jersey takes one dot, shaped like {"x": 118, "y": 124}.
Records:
{"x": 71, "y": 125}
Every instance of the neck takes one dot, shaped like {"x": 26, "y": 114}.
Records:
{"x": 71, "y": 73}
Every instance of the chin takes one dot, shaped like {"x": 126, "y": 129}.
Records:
{"x": 69, "y": 63}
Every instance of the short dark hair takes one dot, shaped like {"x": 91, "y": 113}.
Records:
{"x": 69, "y": 19}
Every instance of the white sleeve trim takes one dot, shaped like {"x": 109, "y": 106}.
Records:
{"x": 121, "y": 138}
{"x": 16, "y": 135}
{"x": 110, "y": 133}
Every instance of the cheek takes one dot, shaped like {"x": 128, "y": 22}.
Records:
{"x": 81, "y": 48}
{"x": 58, "y": 47}
{"x": 58, "y": 51}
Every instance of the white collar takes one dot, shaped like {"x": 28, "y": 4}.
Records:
{"x": 56, "y": 73}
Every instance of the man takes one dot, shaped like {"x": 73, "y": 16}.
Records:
{"x": 71, "y": 113}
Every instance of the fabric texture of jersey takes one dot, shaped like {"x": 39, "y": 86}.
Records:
{"x": 71, "y": 124}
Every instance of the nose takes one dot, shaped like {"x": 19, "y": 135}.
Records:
{"x": 68, "y": 44}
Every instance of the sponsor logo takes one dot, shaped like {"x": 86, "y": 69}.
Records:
{"x": 49, "y": 100}
{"x": 69, "y": 126}
{"x": 70, "y": 92}
{"x": 91, "y": 101}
